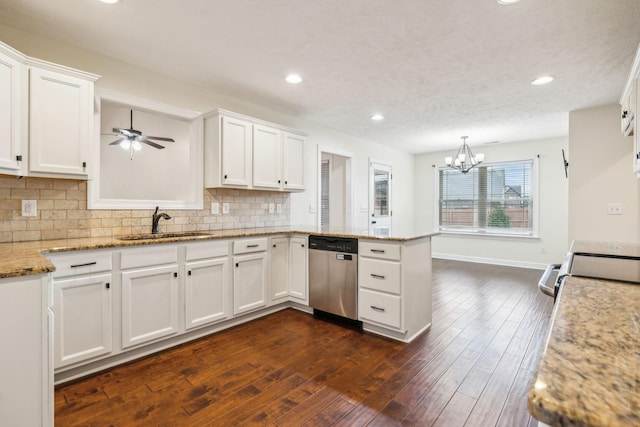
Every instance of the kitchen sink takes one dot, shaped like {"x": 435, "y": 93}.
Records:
{"x": 154, "y": 236}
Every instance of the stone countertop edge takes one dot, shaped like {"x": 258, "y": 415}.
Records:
{"x": 27, "y": 258}
{"x": 588, "y": 373}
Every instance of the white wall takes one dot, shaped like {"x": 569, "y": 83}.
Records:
{"x": 600, "y": 168}
{"x": 552, "y": 211}
{"x": 121, "y": 77}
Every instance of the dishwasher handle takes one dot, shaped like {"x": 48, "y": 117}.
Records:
{"x": 542, "y": 283}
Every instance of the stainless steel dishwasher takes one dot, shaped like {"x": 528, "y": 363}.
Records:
{"x": 333, "y": 276}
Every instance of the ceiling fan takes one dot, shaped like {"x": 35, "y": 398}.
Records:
{"x": 132, "y": 139}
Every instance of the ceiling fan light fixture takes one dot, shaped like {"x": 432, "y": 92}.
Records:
{"x": 136, "y": 145}
{"x": 125, "y": 144}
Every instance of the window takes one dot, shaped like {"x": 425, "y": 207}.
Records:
{"x": 493, "y": 198}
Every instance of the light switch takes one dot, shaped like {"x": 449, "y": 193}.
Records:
{"x": 225, "y": 208}
{"x": 215, "y": 208}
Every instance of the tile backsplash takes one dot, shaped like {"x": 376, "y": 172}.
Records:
{"x": 62, "y": 212}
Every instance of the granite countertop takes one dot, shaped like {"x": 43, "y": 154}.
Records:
{"x": 26, "y": 258}
{"x": 589, "y": 371}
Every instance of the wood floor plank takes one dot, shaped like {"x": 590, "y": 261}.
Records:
{"x": 472, "y": 366}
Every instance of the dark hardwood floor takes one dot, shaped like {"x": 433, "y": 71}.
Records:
{"x": 472, "y": 368}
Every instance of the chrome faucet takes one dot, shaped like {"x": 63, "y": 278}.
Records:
{"x": 156, "y": 219}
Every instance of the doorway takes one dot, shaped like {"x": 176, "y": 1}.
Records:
{"x": 334, "y": 190}
{"x": 380, "y": 211}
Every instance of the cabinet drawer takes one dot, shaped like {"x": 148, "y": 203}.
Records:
{"x": 73, "y": 264}
{"x": 379, "y": 275}
{"x": 207, "y": 250}
{"x": 148, "y": 256}
{"x": 379, "y": 308}
{"x": 379, "y": 250}
{"x": 249, "y": 245}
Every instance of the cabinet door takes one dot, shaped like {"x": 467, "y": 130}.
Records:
{"x": 236, "y": 152}
{"x": 293, "y": 159}
{"x": 298, "y": 268}
{"x": 11, "y": 101}
{"x": 279, "y": 268}
{"x": 82, "y": 313}
{"x": 206, "y": 290}
{"x": 249, "y": 282}
{"x": 149, "y": 304}
{"x": 267, "y": 152}
{"x": 60, "y": 121}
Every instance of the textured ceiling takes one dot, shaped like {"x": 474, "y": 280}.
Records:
{"x": 436, "y": 69}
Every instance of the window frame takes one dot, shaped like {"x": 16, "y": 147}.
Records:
{"x": 485, "y": 232}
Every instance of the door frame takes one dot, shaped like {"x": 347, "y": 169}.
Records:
{"x": 348, "y": 183}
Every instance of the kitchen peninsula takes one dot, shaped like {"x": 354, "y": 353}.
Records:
{"x": 589, "y": 371}
{"x": 119, "y": 271}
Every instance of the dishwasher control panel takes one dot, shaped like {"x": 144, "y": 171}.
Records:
{"x": 334, "y": 244}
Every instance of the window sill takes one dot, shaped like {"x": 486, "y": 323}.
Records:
{"x": 507, "y": 236}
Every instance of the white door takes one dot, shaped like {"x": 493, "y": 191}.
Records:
{"x": 60, "y": 120}
{"x": 380, "y": 199}
{"x": 236, "y": 152}
{"x": 267, "y": 154}
{"x": 249, "y": 282}
{"x": 82, "y": 310}
{"x": 334, "y": 197}
{"x": 149, "y": 304}
{"x": 206, "y": 289}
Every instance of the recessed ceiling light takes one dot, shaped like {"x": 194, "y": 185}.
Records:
{"x": 377, "y": 117}
{"x": 542, "y": 80}
{"x": 109, "y": 1}
{"x": 507, "y": 1}
{"x": 293, "y": 79}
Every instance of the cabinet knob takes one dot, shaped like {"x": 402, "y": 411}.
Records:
{"x": 107, "y": 285}
{"x": 19, "y": 158}
{"x": 278, "y": 181}
{"x": 175, "y": 274}
{"x": 286, "y": 182}
{"x": 225, "y": 177}
{"x": 189, "y": 272}
{"x": 84, "y": 165}
{"x": 237, "y": 265}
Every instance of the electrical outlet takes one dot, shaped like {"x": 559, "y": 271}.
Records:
{"x": 614, "y": 209}
{"x": 279, "y": 208}
{"x": 272, "y": 208}
{"x": 225, "y": 208}
{"x": 215, "y": 208}
{"x": 29, "y": 208}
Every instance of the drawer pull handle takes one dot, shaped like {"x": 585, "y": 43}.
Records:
{"x": 84, "y": 265}
{"x": 252, "y": 246}
{"x": 377, "y": 276}
{"x": 378, "y": 251}
{"x": 382, "y": 310}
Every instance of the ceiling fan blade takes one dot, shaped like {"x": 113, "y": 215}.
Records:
{"x": 160, "y": 138}
{"x": 118, "y": 141}
{"x": 125, "y": 132}
{"x": 151, "y": 143}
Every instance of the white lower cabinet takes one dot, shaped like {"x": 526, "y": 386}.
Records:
{"x": 250, "y": 275}
{"x": 289, "y": 269}
{"x": 26, "y": 378}
{"x": 83, "y": 319}
{"x": 207, "y": 284}
{"x": 279, "y": 268}
{"x": 149, "y": 303}
{"x": 298, "y": 277}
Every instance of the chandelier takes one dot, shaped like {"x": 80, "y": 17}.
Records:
{"x": 465, "y": 160}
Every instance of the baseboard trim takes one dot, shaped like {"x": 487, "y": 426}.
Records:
{"x": 494, "y": 261}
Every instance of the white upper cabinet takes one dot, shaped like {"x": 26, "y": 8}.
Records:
{"x": 12, "y": 87}
{"x": 46, "y": 119}
{"x": 60, "y": 122}
{"x": 293, "y": 161}
{"x": 243, "y": 152}
{"x": 267, "y": 155}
